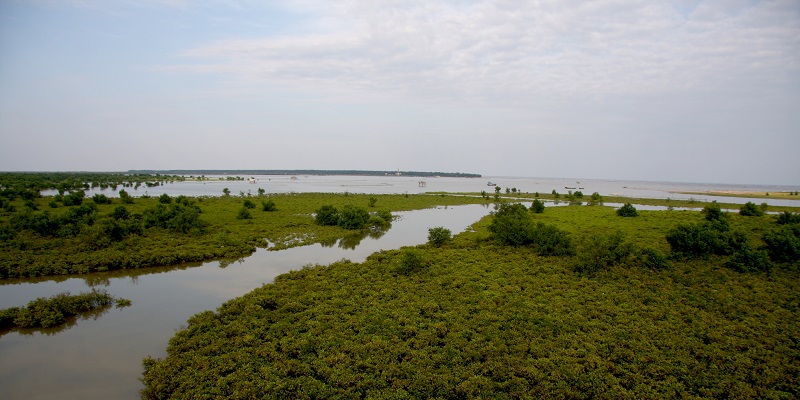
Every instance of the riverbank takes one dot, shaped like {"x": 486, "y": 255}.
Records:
{"x": 43, "y": 237}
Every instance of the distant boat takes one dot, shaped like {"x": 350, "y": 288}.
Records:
{"x": 491, "y": 184}
{"x": 567, "y": 187}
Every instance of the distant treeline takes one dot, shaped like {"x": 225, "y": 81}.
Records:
{"x": 18, "y": 183}
{"x": 302, "y": 172}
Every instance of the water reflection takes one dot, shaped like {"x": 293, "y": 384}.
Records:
{"x": 99, "y": 356}
{"x": 69, "y": 322}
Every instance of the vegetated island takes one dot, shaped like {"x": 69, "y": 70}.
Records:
{"x": 551, "y": 302}
{"x": 304, "y": 172}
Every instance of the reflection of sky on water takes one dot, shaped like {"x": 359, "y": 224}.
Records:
{"x": 101, "y": 358}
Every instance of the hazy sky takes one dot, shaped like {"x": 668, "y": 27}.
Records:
{"x": 698, "y": 91}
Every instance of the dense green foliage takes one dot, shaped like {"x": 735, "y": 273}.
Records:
{"x": 513, "y": 225}
{"x": 438, "y": 236}
{"x": 750, "y": 209}
{"x": 30, "y": 183}
{"x": 352, "y": 217}
{"x": 477, "y": 318}
{"x": 54, "y": 311}
{"x": 783, "y": 244}
{"x": 603, "y": 251}
{"x": 787, "y": 217}
{"x": 537, "y": 206}
{"x": 144, "y": 232}
{"x": 627, "y": 210}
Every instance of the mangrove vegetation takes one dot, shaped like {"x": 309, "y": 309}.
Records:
{"x": 574, "y": 302}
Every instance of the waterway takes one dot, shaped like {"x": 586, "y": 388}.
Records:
{"x": 100, "y": 357}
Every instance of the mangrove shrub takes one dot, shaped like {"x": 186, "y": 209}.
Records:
{"x": 438, "y": 236}
{"x": 627, "y": 210}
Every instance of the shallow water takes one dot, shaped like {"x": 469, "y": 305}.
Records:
{"x": 408, "y": 184}
{"x": 101, "y": 357}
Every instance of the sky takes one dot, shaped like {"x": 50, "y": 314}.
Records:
{"x": 683, "y": 91}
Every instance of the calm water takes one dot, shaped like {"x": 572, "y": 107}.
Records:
{"x": 411, "y": 185}
{"x": 101, "y": 357}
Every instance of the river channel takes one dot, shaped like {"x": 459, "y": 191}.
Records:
{"x": 99, "y": 357}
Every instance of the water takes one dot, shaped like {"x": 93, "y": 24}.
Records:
{"x": 101, "y": 357}
{"x": 411, "y": 185}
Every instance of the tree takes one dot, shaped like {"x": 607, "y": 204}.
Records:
{"x": 627, "y": 210}
{"x": 268, "y": 205}
{"x": 226, "y": 191}
{"x": 537, "y": 206}
{"x": 244, "y": 213}
{"x": 327, "y": 215}
{"x": 125, "y": 197}
{"x": 438, "y": 236}
{"x": 750, "y": 209}
{"x": 352, "y": 217}
{"x": 164, "y": 199}
{"x": 713, "y": 212}
{"x": 512, "y": 225}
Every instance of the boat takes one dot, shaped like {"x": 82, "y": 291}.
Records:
{"x": 491, "y": 184}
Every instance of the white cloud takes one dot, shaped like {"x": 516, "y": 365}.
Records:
{"x": 518, "y": 51}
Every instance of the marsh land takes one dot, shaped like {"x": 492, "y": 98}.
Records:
{"x": 574, "y": 301}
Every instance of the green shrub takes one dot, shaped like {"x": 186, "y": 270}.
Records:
{"x": 537, "y": 206}
{"x": 268, "y": 205}
{"x": 749, "y": 260}
{"x": 750, "y": 209}
{"x": 601, "y": 252}
{"x": 74, "y": 198}
{"x": 627, "y": 210}
{"x": 125, "y": 197}
{"x": 386, "y": 215}
{"x": 53, "y": 311}
{"x": 175, "y": 217}
{"x": 120, "y": 212}
{"x": 651, "y": 258}
{"x": 512, "y": 225}
{"x": 248, "y": 204}
{"x": 244, "y": 213}
{"x": 787, "y": 217}
{"x": 783, "y": 244}
{"x": 327, "y": 215}
{"x": 411, "y": 261}
{"x": 372, "y": 201}
{"x": 352, "y": 217}
{"x": 100, "y": 198}
{"x": 164, "y": 199}
{"x": 713, "y": 212}
{"x": 438, "y": 236}
{"x": 703, "y": 240}
{"x": 548, "y": 240}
